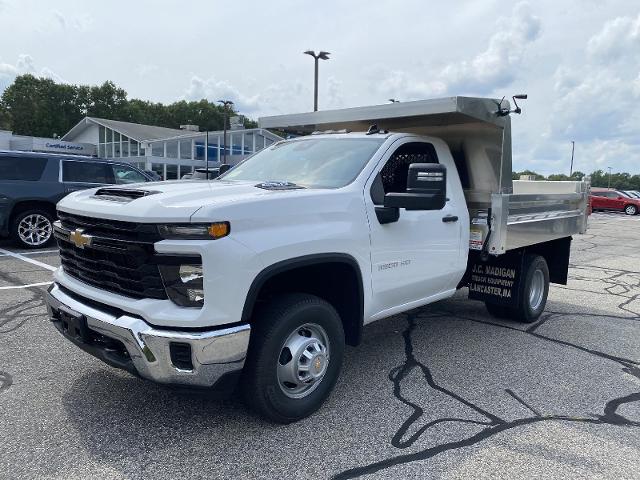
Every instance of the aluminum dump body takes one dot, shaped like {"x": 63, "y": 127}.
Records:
{"x": 480, "y": 142}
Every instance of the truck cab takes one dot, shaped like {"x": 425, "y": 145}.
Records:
{"x": 259, "y": 278}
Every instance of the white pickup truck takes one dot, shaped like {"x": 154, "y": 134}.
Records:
{"x": 259, "y": 278}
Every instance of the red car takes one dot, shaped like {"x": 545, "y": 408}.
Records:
{"x": 614, "y": 200}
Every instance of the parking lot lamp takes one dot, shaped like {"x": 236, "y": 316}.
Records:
{"x": 226, "y": 104}
{"x": 319, "y": 56}
{"x": 573, "y": 147}
{"x": 609, "y": 186}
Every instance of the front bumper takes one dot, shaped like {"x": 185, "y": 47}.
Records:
{"x": 128, "y": 342}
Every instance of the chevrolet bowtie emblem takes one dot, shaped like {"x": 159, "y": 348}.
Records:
{"x": 79, "y": 239}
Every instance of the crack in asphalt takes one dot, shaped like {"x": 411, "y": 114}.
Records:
{"x": 6, "y": 380}
{"x": 494, "y": 425}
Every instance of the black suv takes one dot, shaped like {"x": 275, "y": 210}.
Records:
{"x": 32, "y": 183}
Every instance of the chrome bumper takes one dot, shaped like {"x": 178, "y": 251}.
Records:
{"x": 129, "y": 343}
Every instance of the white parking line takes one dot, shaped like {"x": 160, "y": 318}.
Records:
{"x": 26, "y": 286}
{"x": 28, "y": 260}
{"x": 35, "y": 252}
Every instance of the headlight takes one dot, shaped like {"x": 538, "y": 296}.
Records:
{"x": 194, "y": 231}
{"x": 183, "y": 284}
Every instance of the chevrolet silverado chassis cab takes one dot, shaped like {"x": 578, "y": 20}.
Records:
{"x": 257, "y": 280}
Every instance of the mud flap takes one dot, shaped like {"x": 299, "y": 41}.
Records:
{"x": 496, "y": 280}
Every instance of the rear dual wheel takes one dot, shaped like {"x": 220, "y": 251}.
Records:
{"x": 532, "y": 297}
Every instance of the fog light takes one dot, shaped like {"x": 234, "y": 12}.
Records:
{"x": 184, "y": 284}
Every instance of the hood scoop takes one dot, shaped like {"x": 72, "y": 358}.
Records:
{"x": 278, "y": 186}
{"x": 122, "y": 194}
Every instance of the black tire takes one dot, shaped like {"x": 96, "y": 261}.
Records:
{"x": 525, "y": 312}
{"x": 630, "y": 210}
{"x": 17, "y": 228}
{"x": 272, "y": 326}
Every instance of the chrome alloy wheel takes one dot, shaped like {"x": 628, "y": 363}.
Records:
{"x": 35, "y": 229}
{"x": 536, "y": 291}
{"x": 630, "y": 210}
{"x": 303, "y": 361}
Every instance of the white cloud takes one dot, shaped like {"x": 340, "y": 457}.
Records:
{"x": 596, "y": 103}
{"x": 81, "y": 22}
{"x": 24, "y": 64}
{"x": 496, "y": 66}
{"x": 493, "y": 68}
{"x": 618, "y": 38}
{"x": 214, "y": 89}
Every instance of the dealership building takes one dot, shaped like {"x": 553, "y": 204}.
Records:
{"x": 169, "y": 152}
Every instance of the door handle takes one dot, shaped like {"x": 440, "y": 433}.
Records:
{"x": 450, "y": 218}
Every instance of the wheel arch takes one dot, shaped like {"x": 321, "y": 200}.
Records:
{"x": 24, "y": 205}
{"x": 334, "y": 277}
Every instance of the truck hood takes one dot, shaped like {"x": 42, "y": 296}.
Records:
{"x": 171, "y": 201}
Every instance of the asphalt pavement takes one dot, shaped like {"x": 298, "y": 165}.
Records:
{"x": 444, "y": 391}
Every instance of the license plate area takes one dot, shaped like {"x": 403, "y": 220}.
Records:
{"x": 74, "y": 324}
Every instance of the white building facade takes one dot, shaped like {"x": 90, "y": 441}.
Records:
{"x": 169, "y": 152}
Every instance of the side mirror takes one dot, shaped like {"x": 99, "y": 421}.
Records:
{"x": 426, "y": 188}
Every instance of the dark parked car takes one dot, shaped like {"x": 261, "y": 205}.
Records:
{"x": 32, "y": 183}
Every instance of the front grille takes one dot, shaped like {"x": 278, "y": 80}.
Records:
{"x": 137, "y": 232}
{"x": 120, "y": 258}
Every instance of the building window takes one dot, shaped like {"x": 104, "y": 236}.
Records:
{"x": 185, "y": 149}
{"x": 158, "y": 168}
{"x": 172, "y": 172}
{"x": 157, "y": 149}
{"x": 172, "y": 149}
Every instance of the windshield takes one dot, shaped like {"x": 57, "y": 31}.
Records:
{"x": 312, "y": 162}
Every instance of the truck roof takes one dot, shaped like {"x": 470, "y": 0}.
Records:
{"x": 478, "y": 135}
{"x": 393, "y": 116}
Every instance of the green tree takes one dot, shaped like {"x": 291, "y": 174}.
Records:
{"x": 41, "y": 107}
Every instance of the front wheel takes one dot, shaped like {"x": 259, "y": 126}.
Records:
{"x": 295, "y": 357}
{"x": 32, "y": 228}
{"x": 630, "y": 209}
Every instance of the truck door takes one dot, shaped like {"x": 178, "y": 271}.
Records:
{"x": 419, "y": 255}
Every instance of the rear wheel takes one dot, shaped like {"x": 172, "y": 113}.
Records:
{"x": 532, "y": 297}
{"x": 630, "y": 209}
{"x": 32, "y": 228}
{"x": 295, "y": 357}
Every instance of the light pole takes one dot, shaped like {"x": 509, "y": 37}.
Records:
{"x": 321, "y": 55}
{"x": 225, "y": 103}
{"x": 206, "y": 152}
{"x": 609, "y": 186}
{"x": 573, "y": 146}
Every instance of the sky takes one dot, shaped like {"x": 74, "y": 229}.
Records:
{"x": 578, "y": 60}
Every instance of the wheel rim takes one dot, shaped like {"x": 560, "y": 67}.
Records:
{"x": 303, "y": 360}
{"x": 34, "y": 229}
{"x": 536, "y": 292}
{"x": 630, "y": 210}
